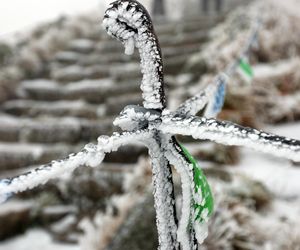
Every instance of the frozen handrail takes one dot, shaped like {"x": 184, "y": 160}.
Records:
{"x": 155, "y": 127}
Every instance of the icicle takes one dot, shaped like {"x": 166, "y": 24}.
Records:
{"x": 129, "y": 46}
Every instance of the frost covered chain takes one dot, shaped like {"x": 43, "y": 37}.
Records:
{"x": 92, "y": 155}
{"x": 130, "y": 23}
{"x": 214, "y": 94}
{"x": 232, "y": 134}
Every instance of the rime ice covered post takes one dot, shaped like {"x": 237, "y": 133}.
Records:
{"x": 155, "y": 127}
{"x": 130, "y": 23}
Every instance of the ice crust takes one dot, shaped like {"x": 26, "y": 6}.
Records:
{"x": 232, "y": 134}
{"x": 130, "y": 23}
{"x": 92, "y": 155}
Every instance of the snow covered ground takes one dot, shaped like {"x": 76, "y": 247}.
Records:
{"x": 35, "y": 239}
{"x": 279, "y": 175}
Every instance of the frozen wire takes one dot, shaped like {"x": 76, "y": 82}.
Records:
{"x": 232, "y": 134}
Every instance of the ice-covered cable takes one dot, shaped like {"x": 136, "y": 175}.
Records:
{"x": 163, "y": 194}
{"x": 250, "y": 43}
{"x": 216, "y": 104}
{"x": 92, "y": 155}
{"x": 129, "y": 22}
{"x": 181, "y": 166}
{"x": 213, "y": 96}
{"x": 231, "y": 134}
{"x": 214, "y": 93}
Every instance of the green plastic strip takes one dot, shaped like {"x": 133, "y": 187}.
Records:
{"x": 246, "y": 68}
{"x": 203, "y": 198}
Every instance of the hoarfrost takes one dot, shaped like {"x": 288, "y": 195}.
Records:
{"x": 232, "y": 134}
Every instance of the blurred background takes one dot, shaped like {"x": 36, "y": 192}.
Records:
{"x": 63, "y": 81}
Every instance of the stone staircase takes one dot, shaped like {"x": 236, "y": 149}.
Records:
{"x": 86, "y": 85}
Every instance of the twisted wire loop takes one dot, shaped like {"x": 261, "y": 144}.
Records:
{"x": 91, "y": 155}
{"x": 163, "y": 192}
{"x": 190, "y": 232}
{"x": 129, "y": 22}
{"x": 228, "y": 133}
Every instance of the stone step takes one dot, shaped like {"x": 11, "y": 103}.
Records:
{"x": 26, "y": 156}
{"x": 67, "y": 57}
{"x": 76, "y": 73}
{"x": 52, "y": 130}
{"x": 125, "y": 72}
{"x": 32, "y": 108}
{"x": 82, "y": 45}
{"x": 94, "y": 91}
{"x": 116, "y": 104}
{"x": 171, "y": 46}
{"x": 171, "y": 52}
{"x": 183, "y": 40}
{"x": 20, "y": 155}
{"x": 186, "y": 26}
{"x": 110, "y": 58}
{"x": 174, "y": 65}
{"x": 109, "y": 46}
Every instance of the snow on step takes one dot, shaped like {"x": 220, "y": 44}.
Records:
{"x": 179, "y": 50}
{"x": 19, "y": 155}
{"x": 95, "y": 91}
{"x": 109, "y": 46}
{"x": 174, "y": 65}
{"x": 67, "y": 57}
{"x": 128, "y": 71}
{"x": 191, "y": 25}
{"x": 33, "y": 108}
{"x": 109, "y": 58}
{"x": 53, "y": 130}
{"x": 182, "y": 39}
{"x": 77, "y": 73}
{"x": 43, "y": 130}
{"x": 82, "y": 45}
